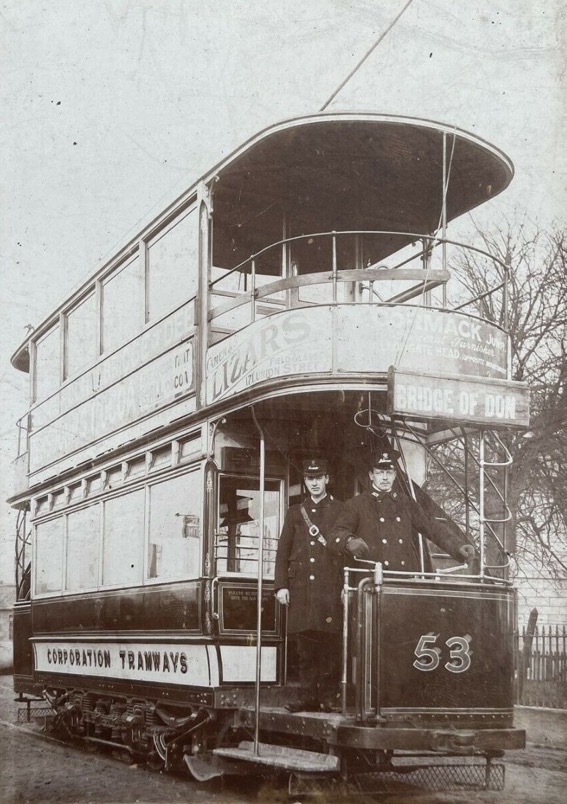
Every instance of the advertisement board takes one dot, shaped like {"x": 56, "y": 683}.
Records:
{"x": 154, "y": 385}
{"x": 354, "y": 339}
{"x": 374, "y": 337}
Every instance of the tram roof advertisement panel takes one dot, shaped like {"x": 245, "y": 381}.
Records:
{"x": 320, "y": 341}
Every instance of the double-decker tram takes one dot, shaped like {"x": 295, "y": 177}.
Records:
{"x": 296, "y": 300}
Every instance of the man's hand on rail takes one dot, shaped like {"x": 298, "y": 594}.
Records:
{"x": 357, "y": 547}
{"x": 282, "y": 596}
{"x": 466, "y": 553}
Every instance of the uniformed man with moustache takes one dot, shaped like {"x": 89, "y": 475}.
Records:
{"x": 382, "y": 524}
{"x": 308, "y": 579}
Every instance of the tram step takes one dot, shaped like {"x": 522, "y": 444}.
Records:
{"x": 281, "y": 756}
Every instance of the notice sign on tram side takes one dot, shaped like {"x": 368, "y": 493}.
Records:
{"x": 496, "y": 403}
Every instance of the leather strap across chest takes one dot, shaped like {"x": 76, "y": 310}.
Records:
{"x": 314, "y": 531}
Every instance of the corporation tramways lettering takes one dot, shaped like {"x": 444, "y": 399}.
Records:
{"x": 88, "y": 657}
{"x": 154, "y": 660}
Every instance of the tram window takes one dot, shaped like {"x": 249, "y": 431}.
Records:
{"x": 173, "y": 266}
{"x": 82, "y": 336}
{"x": 83, "y": 539}
{"x": 48, "y": 364}
{"x": 161, "y": 458}
{"x": 237, "y": 541}
{"x": 48, "y": 556}
{"x": 137, "y": 468}
{"x": 123, "y": 536}
{"x": 94, "y": 485}
{"x": 190, "y": 448}
{"x": 123, "y": 295}
{"x": 75, "y": 492}
{"x": 175, "y": 527}
{"x": 41, "y": 505}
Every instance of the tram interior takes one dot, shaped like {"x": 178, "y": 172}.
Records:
{"x": 345, "y": 427}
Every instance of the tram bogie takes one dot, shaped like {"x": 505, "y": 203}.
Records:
{"x": 159, "y": 476}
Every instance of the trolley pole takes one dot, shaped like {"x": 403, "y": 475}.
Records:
{"x": 259, "y": 601}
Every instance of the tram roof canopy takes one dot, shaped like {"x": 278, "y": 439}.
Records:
{"x": 334, "y": 172}
{"x": 351, "y": 172}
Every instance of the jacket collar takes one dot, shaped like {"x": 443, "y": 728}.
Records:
{"x": 309, "y": 500}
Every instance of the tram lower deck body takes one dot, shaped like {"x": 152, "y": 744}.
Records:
{"x": 174, "y": 699}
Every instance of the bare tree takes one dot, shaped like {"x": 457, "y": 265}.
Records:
{"x": 536, "y": 315}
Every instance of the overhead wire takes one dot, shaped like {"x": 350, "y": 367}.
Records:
{"x": 366, "y": 55}
{"x": 403, "y": 344}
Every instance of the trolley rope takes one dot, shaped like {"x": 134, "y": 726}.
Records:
{"x": 366, "y": 55}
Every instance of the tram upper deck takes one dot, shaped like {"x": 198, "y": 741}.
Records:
{"x": 318, "y": 236}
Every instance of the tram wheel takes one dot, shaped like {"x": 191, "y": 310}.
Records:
{"x": 154, "y": 762}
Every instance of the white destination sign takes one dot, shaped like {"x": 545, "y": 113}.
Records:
{"x": 483, "y": 401}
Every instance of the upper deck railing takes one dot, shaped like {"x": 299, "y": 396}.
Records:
{"x": 332, "y": 284}
{"x": 321, "y": 269}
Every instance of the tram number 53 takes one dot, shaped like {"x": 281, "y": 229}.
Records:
{"x": 429, "y": 655}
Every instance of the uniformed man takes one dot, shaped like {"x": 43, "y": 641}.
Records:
{"x": 308, "y": 580}
{"x": 382, "y": 524}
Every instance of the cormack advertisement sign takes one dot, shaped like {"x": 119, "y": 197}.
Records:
{"x": 354, "y": 339}
{"x": 491, "y": 402}
{"x": 371, "y": 338}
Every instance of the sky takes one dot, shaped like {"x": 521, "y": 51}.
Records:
{"x": 111, "y": 108}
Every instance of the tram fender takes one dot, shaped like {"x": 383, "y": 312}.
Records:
{"x": 462, "y": 741}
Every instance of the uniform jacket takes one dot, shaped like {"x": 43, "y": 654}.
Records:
{"x": 389, "y": 524}
{"x": 311, "y": 572}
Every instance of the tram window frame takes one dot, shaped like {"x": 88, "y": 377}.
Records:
{"x": 56, "y": 558}
{"x": 242, "y": 480}
{"x": 111, "y": 536}
{"x": 47, "y": 369}
{"x": 139, "y": 545}
{"x": 92, "y": 542}
{"x": 170, "y": 279}
{"x": 185, "y": 529}
{"x": 136, "y": 303}
{"x": 87, "y": 343}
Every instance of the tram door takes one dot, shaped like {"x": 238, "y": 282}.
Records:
{"x": 238, "y": 532}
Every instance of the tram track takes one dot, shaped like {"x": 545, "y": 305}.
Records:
{"x": 58, "y": 770}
